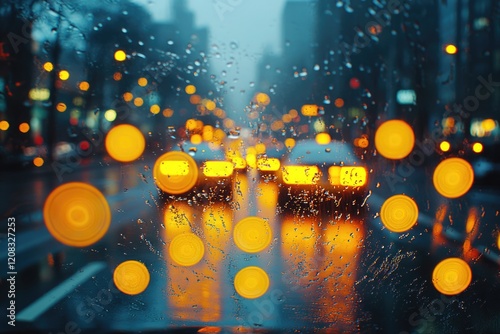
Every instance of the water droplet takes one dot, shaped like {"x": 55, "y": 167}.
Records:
{"x": 233, "y": 45}
{"x": 124, "y": 30}
{"x": 140, "y": 221}
{"x": 143, "y": 178}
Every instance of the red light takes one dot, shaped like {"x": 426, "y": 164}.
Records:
{"x": 84, "y": 145}
{"x": 354, "y": 83}
{"x": 181, "y": 132}
{"x": 73, "y": 121}
{"x": 38, "y": 140}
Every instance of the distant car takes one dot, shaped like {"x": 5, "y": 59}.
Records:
{"x": 329, "y": 172}
{"x": 268, "y": 164}
{"x": 234, "y": 152}
{"x": 198, "y": 171}
{"x": 10, "y": 160}
{"x": 485, "y": 161}
{"x": 481, "y": 154}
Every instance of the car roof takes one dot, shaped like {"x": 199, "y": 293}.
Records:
{"x": 308, "y": 151}
{"x": 203, "y": 151}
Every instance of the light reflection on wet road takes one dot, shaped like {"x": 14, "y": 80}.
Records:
{"x": 344, "y": 273}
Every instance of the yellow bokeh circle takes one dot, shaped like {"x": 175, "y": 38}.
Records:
{"x": 190, "y": 89}
{"x": 399, "y": 213}
{"x": 251, "y": 282}
{"x": 453, "y": 177}
{"x": 77, "y": 214}
{"x": 394, "y": 139}
{"x": 445, "y": 146}
{"x": 120, "y": 55}
{"x": 175, "y": 172}
{"x": 125, "y": 143}
{"x": 186, "y": 249}
{"x": 252, "y": 234}
{"x": 451, "y": 276}
{"x": 131, "y": 277}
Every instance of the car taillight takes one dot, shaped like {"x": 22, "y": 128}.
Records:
{"x": 349, "y": 176}
{"x": 239, "y": 162}
{"x": 218, "y": 168}
{"x": 174, "y": 168}
{"x": 301, "y": 175}
{"x": 175, "y": 172}
{"x": 268, "y": 164}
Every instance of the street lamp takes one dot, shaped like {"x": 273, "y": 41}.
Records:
{"x": 450, "y": 49}
{"x": 120, "y": 55}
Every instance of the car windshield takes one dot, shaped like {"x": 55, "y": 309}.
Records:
{"x": 250, "y": 166}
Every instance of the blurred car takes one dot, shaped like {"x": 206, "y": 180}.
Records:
{"x": 481, "y": 154}
{"x": 15, "y": 159}
{"x": 234, "y": 153}
{"x": 268, "y": 158}
{"x": 320, "y": 171}
{"x": 197, "y": 171}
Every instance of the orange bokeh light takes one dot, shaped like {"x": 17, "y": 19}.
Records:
{"x": 394, "y": 139}
{"x": 77, "y": 214}
{"x": 125, "y": 143}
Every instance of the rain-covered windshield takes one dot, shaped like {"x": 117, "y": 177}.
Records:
{"x": 240, "y": 166}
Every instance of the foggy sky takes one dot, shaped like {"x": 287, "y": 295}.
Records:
{"x": 241, "y": 30}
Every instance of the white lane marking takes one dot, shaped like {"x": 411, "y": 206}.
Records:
{"x": 43, "y": 303}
